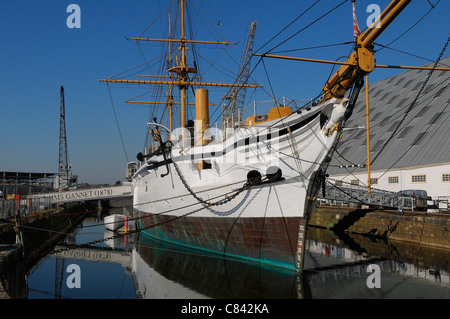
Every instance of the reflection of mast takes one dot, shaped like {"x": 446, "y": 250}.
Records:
{"x": 59, "y": 276}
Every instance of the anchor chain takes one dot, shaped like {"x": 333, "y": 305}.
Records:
{"x": 246, "y": 186}
{"x": 184, "y": 195}
{"x": 221, "y": 202}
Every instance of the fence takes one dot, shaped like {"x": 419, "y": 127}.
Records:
{"x": 358, "y": 196}
{"x": 9, "y": 207}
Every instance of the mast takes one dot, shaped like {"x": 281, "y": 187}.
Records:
{"x": 179, "y": 75}
{"x": 183, "y": 71}
{"x": 169, "y": 97}
{"x": 368, "y": 133}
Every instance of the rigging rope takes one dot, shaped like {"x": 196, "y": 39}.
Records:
{"x": 413, "y": 103}
{"x": 298, "y": 17}
{"x": 401, "y": 35}
{"x": 393, "y": 118}
{"x": 315, "y": 47}
{"x": 301, "y": 30}
{"x": 406, "y": 53}
{"x": 162, "y": 12}
{"x": 117, "y": 122}
{"x": 304, "y": 12}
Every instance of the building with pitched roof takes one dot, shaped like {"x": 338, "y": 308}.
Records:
{"x": 409, "y": 135}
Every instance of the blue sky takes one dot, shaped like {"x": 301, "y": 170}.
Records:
{"x": 39, "y": 53}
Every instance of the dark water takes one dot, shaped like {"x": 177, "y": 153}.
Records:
{"x": 336, "y": 267}
{"x": 105, "y": 271}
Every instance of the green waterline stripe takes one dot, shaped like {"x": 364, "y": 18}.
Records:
{"x": 267, "y": 262}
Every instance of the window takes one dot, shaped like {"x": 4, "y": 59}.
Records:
{"x": 338, "y": 183}
{"x": 345, "y": 150}
{"x": 402, "y": 102}
{"x": 418, "y": 138}
{"x": 428, "y": 89}
{"x": 377, "y": 92}
{"x": 422, "y": 111}
{"x": 393, "y": 179}
{"x": 375, "y": 116}
{"x": 438, "y": 93}
{"x": 374, "y": 181}
{"x": 404, "y": 132}
{"x": 393, "y": 126}
{"x": 442, "y": 73}
{"x": 354, "y": 182}
{"x": 418, "y": 178}
{"x": 435, "y": 117}
{"x": 377, "y": 146}
{"x": 446, "y": 177}
{"x": 408, "y": 83}
{"x": 417, "y": 86}
{"x": 400, "y": 81}
{"x": 392, "y": 99}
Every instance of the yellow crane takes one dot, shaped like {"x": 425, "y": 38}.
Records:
{"x": 360, "y": 63}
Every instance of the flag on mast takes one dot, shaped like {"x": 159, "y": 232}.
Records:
{"x": 356, "y": 30}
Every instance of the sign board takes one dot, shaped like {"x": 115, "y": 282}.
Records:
{"x": 88, "y": 194}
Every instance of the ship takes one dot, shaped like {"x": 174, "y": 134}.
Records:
{"x": 243, "y": 188}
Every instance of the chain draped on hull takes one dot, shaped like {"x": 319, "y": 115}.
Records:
{"x": 280, "y": 166}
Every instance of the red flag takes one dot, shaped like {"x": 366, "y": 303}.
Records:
{"x": 356, "y": 30}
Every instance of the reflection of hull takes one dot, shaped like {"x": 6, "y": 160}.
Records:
{"x": 114, "y": 222}
{"x": 162, "y": 270}
{"x": 333, "y": 270}
{"x": 264, "y": 223}
{"x": 267, "y": 240}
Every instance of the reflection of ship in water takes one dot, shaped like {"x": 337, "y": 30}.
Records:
{"x": 165, "y": 271}
{"x": 407, "y": 270}
{"x": 335, "y": 267}
{"x": 332, "y": 270}
{"x": 113, "y": 241}
{"x": 369, "y": 249}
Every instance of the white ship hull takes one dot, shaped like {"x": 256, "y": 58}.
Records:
{"x": 263, "y": 223}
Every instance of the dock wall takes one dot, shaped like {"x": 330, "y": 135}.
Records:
{"x": 41, "y": 232}
{"x": 9, "y": 257}
{"x": 424, "y": 256}
{"x": 415, "y": 227}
